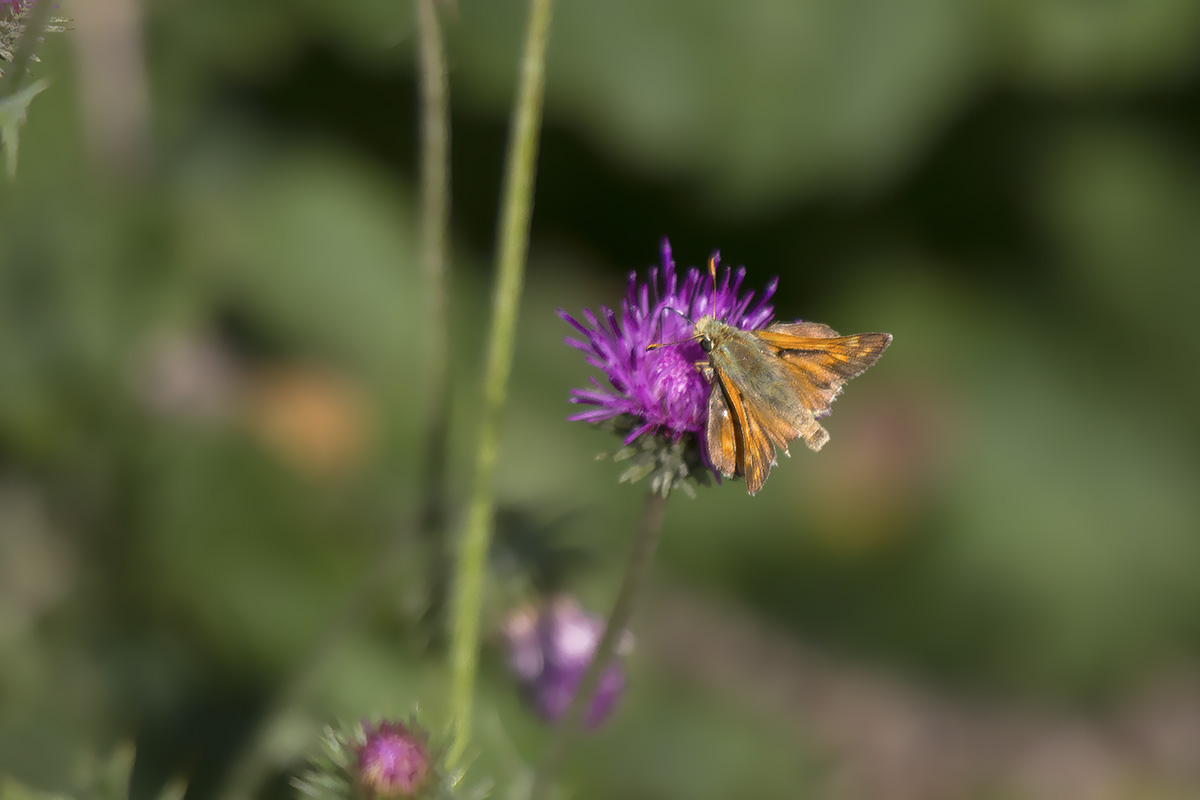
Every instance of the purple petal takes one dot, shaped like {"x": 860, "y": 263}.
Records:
{"x": 661, "y": 391}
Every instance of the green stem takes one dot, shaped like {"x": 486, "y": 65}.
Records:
{"x": 515, "y": 210}
{"x": 435, "y": 216}
{"x": 638, "y": 567}
{"x": 35, "y": 28}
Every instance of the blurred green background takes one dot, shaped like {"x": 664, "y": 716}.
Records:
{"x": 211, "y": 415}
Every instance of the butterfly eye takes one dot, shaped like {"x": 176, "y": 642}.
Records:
{"x": 706, "y": 344}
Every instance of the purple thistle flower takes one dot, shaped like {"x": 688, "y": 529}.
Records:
{"x": 549, "y": 651}
{"x": 14, "y": 17}
{"x": 393, "y": 761}
{"x": 660, "y": 392}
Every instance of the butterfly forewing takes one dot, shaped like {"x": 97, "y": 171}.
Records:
{"x": 829, "y": 363}
{"x": 818, "y": 369}
{"x": 760, "y": 455}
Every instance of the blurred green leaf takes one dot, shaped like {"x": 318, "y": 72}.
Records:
{"x": 1070, "y": 45}
{"x": 13, "y": 111}
{"x": 756, "y": 102}
{"x": 317, "y": 249}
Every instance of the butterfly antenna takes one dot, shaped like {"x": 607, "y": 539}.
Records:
{"x": 659, "y": 324}
{"x": 680, "y": 313}
{"x": 657, "y": 345}
{"x": 712, "y": 270}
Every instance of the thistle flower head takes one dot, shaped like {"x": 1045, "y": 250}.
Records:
{"x": 14, "y": 15}
{"x": 388, "y": 759}
{"x": 550, "y": 649}
{"x": 393, "y": 761}
{"x": 659, "y": 396}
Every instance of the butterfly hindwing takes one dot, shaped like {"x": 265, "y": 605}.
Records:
{"x": 755, "y": 453}
{"x": 723, "y": 450}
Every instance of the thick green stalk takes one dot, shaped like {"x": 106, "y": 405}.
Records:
{"x": 435, "y": 217}
{"x": 636, "y": 570}
{"x": 516, "y": 207}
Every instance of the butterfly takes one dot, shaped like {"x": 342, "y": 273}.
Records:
{"x": 770, "y": 386}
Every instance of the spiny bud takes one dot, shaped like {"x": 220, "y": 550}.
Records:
{"x": 393, "y": 761}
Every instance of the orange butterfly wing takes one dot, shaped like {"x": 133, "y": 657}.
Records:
{"x": 723, "y": 449}
{"x": 811, "y": 364}
{"x": 818, "y": 363}
{"x": 755, "y": 455}
{"x": 807, "y": 330}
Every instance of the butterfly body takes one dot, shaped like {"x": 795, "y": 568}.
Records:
{"x": 770, "y": 387}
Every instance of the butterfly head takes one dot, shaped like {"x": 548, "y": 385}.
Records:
{"x": 710, "y": 332}
{"x": 703, "y": 333}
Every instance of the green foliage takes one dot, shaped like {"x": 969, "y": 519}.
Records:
{"x": 1007, "y": 506}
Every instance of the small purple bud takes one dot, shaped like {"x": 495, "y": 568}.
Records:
{"x": 549, "y": 650}
{"x": 393, "y": 761}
